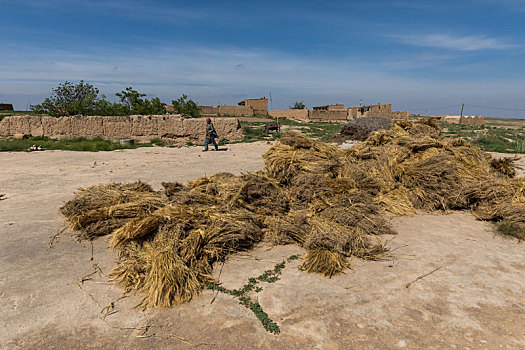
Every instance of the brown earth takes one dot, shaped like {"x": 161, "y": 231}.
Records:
{"x": 475, "y": 300}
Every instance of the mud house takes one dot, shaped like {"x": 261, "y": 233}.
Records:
{"x": 245, "y": 108}
{"x": 378, "y": 110}
{"x": 259, "y": 105}
{"x": 331, "y": 113}
{"x": 338, "y": 113}
{"x": 6, "y": 107}
{"x": 329, "y": 107}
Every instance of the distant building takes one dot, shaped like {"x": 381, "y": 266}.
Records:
{"x": 336, "y": 107}
{"x": 466, "y": 119}
{"x": 246, "y": 108}
{"x": 6, "y": 107}
{"x": 338, "y": 113}
{"x": 378, "y": 110}
{"x": 259, "y": 105}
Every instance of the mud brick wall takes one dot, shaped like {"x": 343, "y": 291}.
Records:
{"x": 467, "y": 119}
{"x": 209, "y": 110}
{"x": 294, "y": 114}
{"x": 328, "y": 115}
{"x": 260, "y": 106}
{"x": 172, "y": 128}
{"x": 238, "y": 111}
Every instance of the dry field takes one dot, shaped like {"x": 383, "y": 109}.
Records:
{"x": 474, "y": 300}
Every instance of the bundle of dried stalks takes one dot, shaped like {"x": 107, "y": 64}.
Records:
{"x": 332, "y": 202}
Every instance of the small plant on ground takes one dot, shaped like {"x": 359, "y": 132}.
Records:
{"x": 510, "y": 229}
{"x": 268, "y": 276}
{"x": 156, "y": 141}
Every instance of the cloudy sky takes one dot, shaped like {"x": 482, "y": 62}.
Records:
{"x": 424, "y": 56}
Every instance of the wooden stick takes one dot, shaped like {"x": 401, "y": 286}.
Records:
{"x": 422, "y": 276}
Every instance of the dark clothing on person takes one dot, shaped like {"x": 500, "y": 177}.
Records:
{"x": 211, "y": 134}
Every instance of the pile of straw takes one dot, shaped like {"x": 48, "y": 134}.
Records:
{"x": 332, "y": 202}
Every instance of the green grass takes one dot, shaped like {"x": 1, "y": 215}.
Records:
{"x": 489, "y": 138}
{"x": 157, "y": 141}
{"x": 76, "y": 144}
{"x": 254, "y": 131}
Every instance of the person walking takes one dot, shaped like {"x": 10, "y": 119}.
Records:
{"x": 211, "y": 134}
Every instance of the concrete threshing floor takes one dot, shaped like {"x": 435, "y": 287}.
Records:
{"x": 475, "y": 300}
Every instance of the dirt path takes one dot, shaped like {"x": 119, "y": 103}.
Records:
{"x": 475, "y": 300}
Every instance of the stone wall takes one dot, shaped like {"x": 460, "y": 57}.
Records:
{"x": 294, "y": 114}
{"x": 171, "y": 128}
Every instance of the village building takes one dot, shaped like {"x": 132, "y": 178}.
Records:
{"x": 338, "y": 113}
{"x": 245, "y": 108}
{"x": 6, "y": 107}
{"x": 259, "y": 105}
{"x": 329, "y": 107}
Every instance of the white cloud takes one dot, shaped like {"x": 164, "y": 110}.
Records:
{"x": 212, "y": 76}
{"x": 462, "y": 43}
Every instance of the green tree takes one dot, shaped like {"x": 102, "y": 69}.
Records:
{"x": 70, "y": 99}
{"x": 135, "y": 104}
{"x": 298, "y": 105}
{"x": 185, "y": 106}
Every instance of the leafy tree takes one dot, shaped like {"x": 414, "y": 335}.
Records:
{"x": 82, "y": 98}
{"x": 70, "y": 99}
{"x": 184, "y": 106}
{"x": 298, "y": 105}
{"x": 132, "y": 100}
{"x": 105, "y": 107}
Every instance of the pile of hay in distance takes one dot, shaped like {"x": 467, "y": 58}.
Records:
{"x": 332, "y": 202}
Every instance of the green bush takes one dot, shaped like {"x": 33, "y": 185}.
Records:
{"x": 157, "y": 141}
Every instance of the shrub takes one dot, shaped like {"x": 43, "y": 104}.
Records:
{"x": 157, "y": 141}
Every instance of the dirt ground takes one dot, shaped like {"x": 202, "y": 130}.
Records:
{"x": 474, "y": 300}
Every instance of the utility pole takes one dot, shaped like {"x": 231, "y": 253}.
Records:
{"x": 461, "y": 115}
{"x": 271, "y": 103}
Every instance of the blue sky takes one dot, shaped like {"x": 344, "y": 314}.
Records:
{"x": 424, "y": 56}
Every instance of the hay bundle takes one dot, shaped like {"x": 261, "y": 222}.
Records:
{"x": 332, "y": 202}
{"x": 360, "y": 128}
